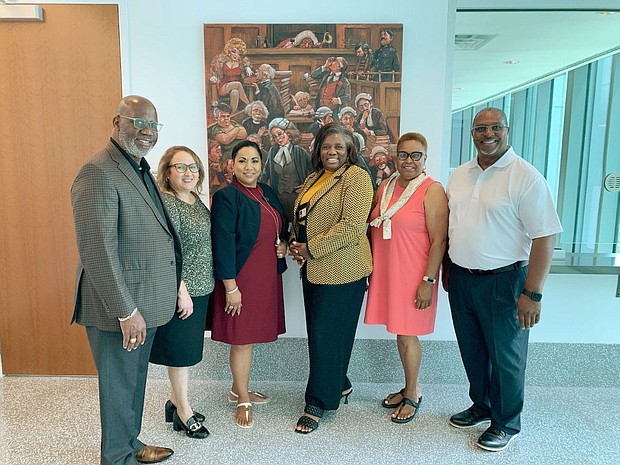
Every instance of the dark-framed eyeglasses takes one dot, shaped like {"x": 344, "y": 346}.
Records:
{"x": 182, "y": 167}
{"x": 415, "y": 156}
{"x": 494, "y": 127}
{"x": 141, "y": 123}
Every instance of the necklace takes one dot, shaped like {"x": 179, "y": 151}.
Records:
{"x": 274, "y": 214}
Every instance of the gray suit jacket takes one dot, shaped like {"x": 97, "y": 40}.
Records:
{"x": 129, "y": 256}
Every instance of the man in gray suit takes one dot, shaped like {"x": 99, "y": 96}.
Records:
{"x": 128, "y": 275}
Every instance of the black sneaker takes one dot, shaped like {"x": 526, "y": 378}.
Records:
{"x": 468, "y": 418}
{"x": 494, "y": 439}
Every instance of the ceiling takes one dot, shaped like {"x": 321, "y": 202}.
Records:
{"x": 542, "y": 42}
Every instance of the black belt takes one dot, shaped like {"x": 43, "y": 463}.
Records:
{"x": 503, "y": 269}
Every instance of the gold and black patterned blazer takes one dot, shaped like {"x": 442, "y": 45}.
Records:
{"x": 336, "y": 226}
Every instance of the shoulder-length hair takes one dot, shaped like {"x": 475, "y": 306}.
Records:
{"x": 163, "y": 167}
{"x": 329, "y": 130}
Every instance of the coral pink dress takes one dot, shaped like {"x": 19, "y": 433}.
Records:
{"x": 399, "y": 264}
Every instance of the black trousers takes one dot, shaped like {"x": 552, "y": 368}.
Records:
{"x": 492, "y": 344}
{"x": 332, "y": 314}
{"x": 122, "y": 382}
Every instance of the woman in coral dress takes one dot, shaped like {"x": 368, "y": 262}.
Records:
{"x": 409, "y": 227}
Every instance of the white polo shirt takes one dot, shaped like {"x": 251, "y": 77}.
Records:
{"x": 495, "y": 213}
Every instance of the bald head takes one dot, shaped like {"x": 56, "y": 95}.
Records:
{"x": 492, "y": 111}
{"x": 490, "y": 135}
{"x": 129, "y": 130}
{"x": 133, "y": 103}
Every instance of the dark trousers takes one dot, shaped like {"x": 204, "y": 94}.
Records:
{"x": 122, "y": 382}
{"x": 492, "y": 344}
{"x": 332, "y": 313}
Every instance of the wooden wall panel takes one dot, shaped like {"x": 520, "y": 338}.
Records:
{"x": 61, "y": 81}
{"x": 214, "y": 40}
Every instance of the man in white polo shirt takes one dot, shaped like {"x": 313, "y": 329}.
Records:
{"x": 501, "y": 218}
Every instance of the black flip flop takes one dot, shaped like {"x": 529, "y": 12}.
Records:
{"x": 415, "y": 405}
{"x": 386, "y": 403}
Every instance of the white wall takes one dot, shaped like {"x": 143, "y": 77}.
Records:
{"x": 162, "y": 59}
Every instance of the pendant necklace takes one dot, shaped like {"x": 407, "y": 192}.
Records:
{"x": 270, "y": 210}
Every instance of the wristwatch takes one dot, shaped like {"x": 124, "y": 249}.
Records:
{"x": 429, "y": 280}
{"x": 535, "y": 296}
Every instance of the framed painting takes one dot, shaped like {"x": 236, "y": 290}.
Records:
{"x": 277, "y": 84}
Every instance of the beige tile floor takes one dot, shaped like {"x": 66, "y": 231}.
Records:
{"x": 48, "y": 420}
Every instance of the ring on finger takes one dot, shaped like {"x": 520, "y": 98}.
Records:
{"x": 133, "y": 340}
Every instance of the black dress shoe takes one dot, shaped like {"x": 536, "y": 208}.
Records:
{"x": 468, "y": 418}
{"x": 170, "y": 408}
{"x": 193, "y": 428}
{"x": 152, "y": 454}
{"x": 494, "y": 439}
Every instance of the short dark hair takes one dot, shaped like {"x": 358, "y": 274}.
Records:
{"x": 222, "y": 106}
{"x": 388, "y": 32}
{"x": 245, "y": 143}
{"x": 329, "y": 130}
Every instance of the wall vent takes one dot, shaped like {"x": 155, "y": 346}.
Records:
{"x": 471, "y": 41}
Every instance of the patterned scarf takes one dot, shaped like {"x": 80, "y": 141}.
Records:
{"x": 386, "y": 214}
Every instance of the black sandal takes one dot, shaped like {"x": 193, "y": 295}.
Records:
{"x": 386, "y": 403}
{"x": 308, "y": 422}
{"x": 415, "y": 405}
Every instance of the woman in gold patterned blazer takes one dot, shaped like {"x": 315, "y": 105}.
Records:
{"x": 330, "y": 245}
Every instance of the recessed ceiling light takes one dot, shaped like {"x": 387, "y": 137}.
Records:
{"x": 605, "y": 13}
{"x": 511, "y": 62}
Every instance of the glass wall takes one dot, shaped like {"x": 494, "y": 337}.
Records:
{"x": 569, "y": 128}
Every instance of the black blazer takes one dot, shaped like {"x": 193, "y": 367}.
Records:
{"x": 233, "y": 214}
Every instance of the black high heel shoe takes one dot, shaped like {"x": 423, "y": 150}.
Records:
{"x": 193, "y": 429}
{"x": 346, "y": 395}
{"x": 170, "y": 408}
{"x": 306, "y": 421}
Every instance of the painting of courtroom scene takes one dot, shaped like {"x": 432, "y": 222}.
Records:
{"x": 278, "y": 84}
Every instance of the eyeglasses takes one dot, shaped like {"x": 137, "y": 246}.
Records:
{"x": 182, "y": 167}
{"x": 493, "y": 127}
{"x": 415, "y": 156}
{"x": 141, "y": 123}
{"x": 277, "y": 135}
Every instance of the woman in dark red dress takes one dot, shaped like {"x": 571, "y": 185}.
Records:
{"x": 249, "y": 243}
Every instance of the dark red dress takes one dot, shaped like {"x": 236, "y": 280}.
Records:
{"x": 262, "y": 312}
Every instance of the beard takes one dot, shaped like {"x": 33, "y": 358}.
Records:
{"x": 131, "y": 147}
